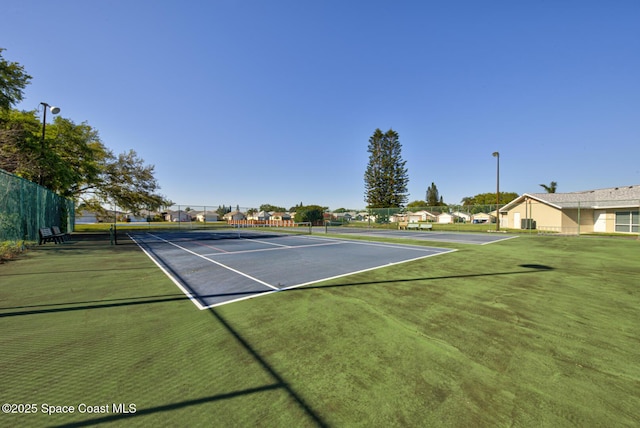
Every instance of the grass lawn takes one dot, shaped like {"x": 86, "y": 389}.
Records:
{"x": 533, "y": 331}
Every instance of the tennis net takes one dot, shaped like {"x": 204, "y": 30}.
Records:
{"x": 122, "y": 234}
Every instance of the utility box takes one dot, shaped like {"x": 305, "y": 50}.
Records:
{"x": 527, "y": 223}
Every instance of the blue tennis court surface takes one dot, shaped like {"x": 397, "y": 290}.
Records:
{"x": 214, "y": 268}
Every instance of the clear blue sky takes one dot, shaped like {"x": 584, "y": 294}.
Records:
{"x": 244, "y": 102}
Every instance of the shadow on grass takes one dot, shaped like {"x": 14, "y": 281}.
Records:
{"x": 86, "y": 302}
{"x": 115, "y": 303}
{"x": 167, "y": 298}
{"x": 279, "y": 381}
{"x": 272, "y": 372}
{"x": 536, "y": 266}
{"x": 60, "y": 271}
{"x": 534, "y": 269}
{"x": 170, "y": 407}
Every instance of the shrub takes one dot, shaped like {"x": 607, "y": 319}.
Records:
{"x": 10, "y": 250}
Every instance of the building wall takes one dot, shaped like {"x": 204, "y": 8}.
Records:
{"x": 570, "y": 220}
{"x": 570, "y": 217}
{"x": 445, "y": 218}
{"x": 544, "y": 215}
{"x": 610, "y": 219}
{"x": 565, "y": 221}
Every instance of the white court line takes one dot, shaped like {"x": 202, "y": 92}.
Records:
{"x": 186, "y": 292}
{"x": 266, "y": 243}
{"x": 424, "y": 236}
{"x": 375, "y": 244}
{"x": 216, "y": 263}
{"x": 330, "y": 278}
{"x": 191, "y": 297}
{"x": 239, "y": 299}
{"x": 500, "y": 240}
{"x": 366, "y": 270}
{"x": 280, "y": 248}
{"x": 327, "y": 241}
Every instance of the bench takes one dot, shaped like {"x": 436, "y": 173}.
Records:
{"x": 415, "y": 226}
{"x": 56, "y": 231}
{"x": 47, "y": 235}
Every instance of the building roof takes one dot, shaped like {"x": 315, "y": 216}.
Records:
{"x": 612, "y": 197}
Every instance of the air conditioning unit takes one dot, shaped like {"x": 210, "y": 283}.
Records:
{"x": 527, "y": 223}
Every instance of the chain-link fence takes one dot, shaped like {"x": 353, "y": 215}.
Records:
{"x": 561, "y": 215}
{"x": 564, "y": 214}
{"x": 188, "y": 215}
{"x": 455, "y": 216}
{"x": 26, "y": 207}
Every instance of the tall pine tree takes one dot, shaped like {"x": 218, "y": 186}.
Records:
{"x": 433, "y": 197}
{"x": 386, "y": 177}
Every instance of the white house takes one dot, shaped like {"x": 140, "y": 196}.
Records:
{"x": 234, "y": 215}
{"x": 280, "y": 216}
{"x": 180, "y": 216}
{"x": 482, "y": 218}
{"x": 206, "y": 216}
{"x": 446, "y": 218}
{"x": 462, "y": 216}
{"x": 425, "y": 215}
{"x": 86, "y": 217}
{"x": 258, "y": 216}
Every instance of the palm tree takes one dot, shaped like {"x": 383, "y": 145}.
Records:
{"x": 551, "y": 188}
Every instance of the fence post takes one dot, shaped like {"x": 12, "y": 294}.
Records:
{"x": 578, "y": 218}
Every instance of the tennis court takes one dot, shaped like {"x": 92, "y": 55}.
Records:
{"x": 421, "y": 235}
{"x": 219, "y": 267}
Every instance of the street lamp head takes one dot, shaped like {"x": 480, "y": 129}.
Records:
{"x": 496, "y": 154}
{"x": 52, "y": 109}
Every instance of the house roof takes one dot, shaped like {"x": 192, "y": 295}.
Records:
{"x": 424, "y": 212}
{"x": 448, "y": 214}
{"x": 611, "y": 197}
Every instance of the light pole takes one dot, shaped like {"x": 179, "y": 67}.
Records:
{"x": 497, "y": 156}
{"x": 54, "y": 110}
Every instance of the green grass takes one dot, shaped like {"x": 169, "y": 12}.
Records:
{"x": 533, "y": 331}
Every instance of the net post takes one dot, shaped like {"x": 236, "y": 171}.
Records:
{"x": 113, "y": 234}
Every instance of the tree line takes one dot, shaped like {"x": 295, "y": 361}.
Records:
{"x": 69, "y": 158}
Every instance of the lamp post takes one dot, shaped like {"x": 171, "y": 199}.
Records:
{"x": 54, "y": 110}
{"x": 497, "y": 156}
